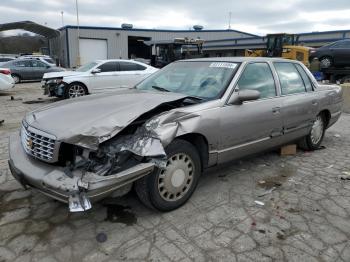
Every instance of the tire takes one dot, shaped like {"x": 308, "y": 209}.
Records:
{"x": 168, "y": 189}
{"x": 16, "y": 78}
{"x": 314, "y": 139}
{"x": 326, "y": 62}
{"x": 75, "y": 90}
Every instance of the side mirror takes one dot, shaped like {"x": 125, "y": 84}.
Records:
{"x": 244, "y": 95}
{"x": 96, "y": 71}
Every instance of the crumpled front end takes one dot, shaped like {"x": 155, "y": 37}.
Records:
{"x": 89, "y": 175}
{"x": 54, "y": 87}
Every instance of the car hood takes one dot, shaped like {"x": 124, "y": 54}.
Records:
{"x": 91, "y": 120}
{"x": 60, "y": 74}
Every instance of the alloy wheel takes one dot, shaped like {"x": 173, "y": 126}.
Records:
{"x": 76, "y": 91}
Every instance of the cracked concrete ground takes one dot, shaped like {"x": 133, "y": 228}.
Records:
{"x": 305, "y": 217}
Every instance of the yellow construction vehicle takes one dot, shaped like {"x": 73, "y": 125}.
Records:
{"x": 284, "y": 46}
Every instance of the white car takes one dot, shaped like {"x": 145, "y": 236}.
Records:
{"x": 6, "y": 81}
{"x": 5, "y": 59}
{"x": 96, "y": 77}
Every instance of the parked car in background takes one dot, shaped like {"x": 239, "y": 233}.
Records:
{"x": 4, "y": 59}
{"x": 6, "y": 81}
{"x": 95, "y": 77}
{"x": 43, "y": 58}
{"x": 29, "y": 69}
{"x": 336, "y": 54}
{"x": 163, "y": 133}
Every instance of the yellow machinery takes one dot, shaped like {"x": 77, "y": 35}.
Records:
{"x": 284, "y": 46}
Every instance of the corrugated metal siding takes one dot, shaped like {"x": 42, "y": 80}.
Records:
{"x": 117, "y": 40}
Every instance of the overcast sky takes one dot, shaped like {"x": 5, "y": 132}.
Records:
{"x": 253, "y": 16}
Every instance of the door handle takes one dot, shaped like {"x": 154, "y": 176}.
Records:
{"x": 276, "y": 110}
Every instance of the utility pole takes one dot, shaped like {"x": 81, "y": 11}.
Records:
{"x": 229, "y": 20}
{"x": 78, "y": 33}
{"x": 62, "y": 18}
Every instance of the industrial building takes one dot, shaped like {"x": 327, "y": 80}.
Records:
{"x": 108, "y": 42}
{"x": 72, "y": 45}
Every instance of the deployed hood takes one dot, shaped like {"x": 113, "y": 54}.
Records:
{"x": 61, "y": 74}
{"x": 91, "y": 120}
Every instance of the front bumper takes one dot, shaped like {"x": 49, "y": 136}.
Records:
{"x": 53, "y": 89}
{"x": 54, "y": 182}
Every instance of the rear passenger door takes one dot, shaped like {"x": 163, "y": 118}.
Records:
{"x": 131, "y": 73}
{"x": 24, "y": 69}
{"x": 38, "y": 69}
{"x": 299, "y": 105}
{"x": 106, "y": 80}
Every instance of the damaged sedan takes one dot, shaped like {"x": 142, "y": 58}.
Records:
{"x": 159, "y": 136}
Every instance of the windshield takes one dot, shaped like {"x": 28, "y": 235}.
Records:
{"x": 86, "y": 67}
{"x": 205, "y": 80}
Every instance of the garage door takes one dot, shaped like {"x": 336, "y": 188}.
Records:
{"x": 92, "y": 49}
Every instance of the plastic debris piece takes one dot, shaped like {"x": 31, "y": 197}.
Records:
{"x": 259, "y": 203}
{"x": 336, "y": 135}
{"x": 261, "y": 182}
{"x": 330, "y": 166}
{"x": 345, "y": 175}
{"x": 267, "y": 192}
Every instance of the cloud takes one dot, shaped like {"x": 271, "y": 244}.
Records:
{"x": 254, "y": 16}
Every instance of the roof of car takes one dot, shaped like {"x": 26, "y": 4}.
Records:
{"x": 240, "y": 59}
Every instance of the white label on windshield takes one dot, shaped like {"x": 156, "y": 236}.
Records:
{"x": 224, "y": 65}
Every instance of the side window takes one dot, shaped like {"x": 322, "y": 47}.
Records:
{"x": 23, "y": 63}
{"x": 36, "y": 63}
{"x": 109, "y": 67}
{"x": 258, "y": 76}
{"x": 306, "y": 79}
{"x": 342, "y": 44}
{"x": 127, "y": 66}
{"x": 290, "y": 79}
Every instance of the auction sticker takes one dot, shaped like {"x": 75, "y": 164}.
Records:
{"x": 224, "y": 65}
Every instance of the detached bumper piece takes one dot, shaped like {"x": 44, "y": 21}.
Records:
{"x": 80, "y": 189}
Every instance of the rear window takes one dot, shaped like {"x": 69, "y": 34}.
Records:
{"x": 49, "y": 60}
{"x": 128, "y": 66}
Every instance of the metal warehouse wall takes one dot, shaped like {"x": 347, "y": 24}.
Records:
{"x": 117, "y": 39}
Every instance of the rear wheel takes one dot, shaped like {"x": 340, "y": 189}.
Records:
{"x": 171, "y": 187}
{"x": 75, "y": 90}
{"x": 16, "y": 78}
{"x": 314, "y": 139}
{"x": 326, "y": 62}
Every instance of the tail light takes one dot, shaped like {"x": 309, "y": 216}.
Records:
{"x": 5, "y": 71}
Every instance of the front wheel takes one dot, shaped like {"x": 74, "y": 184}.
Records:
{"x": 75, "y": 90}
{"x": 314, "y": 139}
{"x": 326, "y": 62}
{"x": 16, "y": 78}
{"x": 171, "y": 187}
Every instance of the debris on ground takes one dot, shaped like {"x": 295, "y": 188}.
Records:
{"x": 289, "y": 150}
{"x": 336, "y": 135}
{"x": 262, "y": 231}
{"x": 267, "y": 192}
{"x": 259, "y": 203}
{"x": 345, "y": 175}
{"x": 16, "y": 98}
{"x": 330, "y": 166}
{"x": 2, "y": 122}
{"x": 281, "y": 236}
{"x": 101, "y": 237}
{"x": 34, "y": 101}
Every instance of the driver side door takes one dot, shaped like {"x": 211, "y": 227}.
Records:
{"x": 253, "y": 125}
{"x": 106, "y": 79}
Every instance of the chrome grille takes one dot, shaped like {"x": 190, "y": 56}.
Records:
{"x": 38, "y": 144}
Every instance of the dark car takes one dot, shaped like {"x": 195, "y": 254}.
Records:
{"x": 29, "y": 69}
{"x": 336, "y": 54}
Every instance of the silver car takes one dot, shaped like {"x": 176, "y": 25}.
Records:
{"x": 161, "y": 135}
